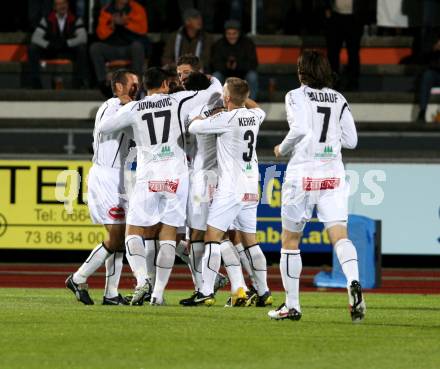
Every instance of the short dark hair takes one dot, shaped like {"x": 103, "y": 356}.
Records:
{"x": 190, "y": 59}
{"x": 154, "y": 77}
{"x": 238, "y": 90}
{"x": 171, "y": 70}
{"x": 314, "y": 69}
{"x": 197, "y": 81}
{"x": 173, "y": 78}
{"x": 120, "y": 76}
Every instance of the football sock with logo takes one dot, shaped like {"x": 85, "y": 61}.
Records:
{"x": 91, "y": 265}
{"x": 210, "y": 266}
{"x": 196, "y": 257}
{"x": 113, "y": 270}
{"x": 245, "y": 264}
{"x": 135, "y": 249}
{"x": 347, "y": 256}
{"x": 290, "y": 268}
{"x": 164, "y": 265}
{"x": 259, "y": 267}
{"x": 151, "y": 246}
{"x": 231, "y": 260}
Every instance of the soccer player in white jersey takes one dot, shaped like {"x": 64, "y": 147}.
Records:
{"x": 161, "y": 189}
{"x": 236, "y": 198}
{"x": 320, "y": 124}
{"x": 106, "y": 200}
{"x": 202, "y": 156}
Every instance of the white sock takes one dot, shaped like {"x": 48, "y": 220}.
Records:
{"x": 113, "y": 270}
{"x": 259, "y": 268}
{"x": 231, "y": 260}
{"x": 164, "y": 265}
{"x": 136, "y": 258}
{"x": 196, "y": 257}
{"x": 245, "y": 264}
{"x": 347, "y": 256}
{"x": 91, "y": 265}
{"x": 181, "y": 252}
{"x": 210, "y": 266}
{"x": 290, "y": 268}
{"x": 150, "y": 256}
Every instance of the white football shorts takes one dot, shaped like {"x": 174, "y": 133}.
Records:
{"x": 106, "y": 196}
{"x": 228, "y": 209}
{"x": 201, "y": 192}
{"x": 300, "y": 196}
{"x": 158, "y": 201}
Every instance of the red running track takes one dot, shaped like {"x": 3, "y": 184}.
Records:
{"x": 424, "y": 281}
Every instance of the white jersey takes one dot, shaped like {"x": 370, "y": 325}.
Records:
{"x": 203, "y": 153}
{"x": 236, "y": 132}
{"x": 157, "y": 122}
{"x": 110, "y": 150}
{"x": 320, "y": 123}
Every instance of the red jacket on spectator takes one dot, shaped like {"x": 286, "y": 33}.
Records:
{"x": 136, "y": 22}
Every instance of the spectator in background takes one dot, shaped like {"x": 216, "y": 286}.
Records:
{"x": 235, "y": 55}
{"x": 189, "y": 39}
{"x": 59, "y": 35}
{"x": 430, "y": 79}
{"x": 346, "y": 19}
{"x": 37, "y": 10}
{"x": 122, "y": 31}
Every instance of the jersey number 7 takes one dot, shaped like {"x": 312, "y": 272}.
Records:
{"x": 166, "y": 114}
{"x": 326, "y": 111}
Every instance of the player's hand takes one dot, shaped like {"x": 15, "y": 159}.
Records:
{"x": 276, "y": 151}
{"x": 125, "y": 99}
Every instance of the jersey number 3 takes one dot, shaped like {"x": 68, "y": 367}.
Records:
{"x": 326, "y": 111}
{"x": 249, "y": 135}
{"x": 166, "y": 114}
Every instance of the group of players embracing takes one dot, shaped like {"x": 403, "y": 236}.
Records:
{"x": 196, "y": 188}
{"x": 195, "y": 193}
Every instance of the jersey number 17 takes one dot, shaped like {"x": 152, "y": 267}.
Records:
{"x": 166, "y": 114}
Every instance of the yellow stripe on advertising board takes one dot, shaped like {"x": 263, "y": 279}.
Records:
{"x": 32, "y": 214}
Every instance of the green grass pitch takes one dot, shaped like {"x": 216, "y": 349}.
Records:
{"x": 47, "y": 328}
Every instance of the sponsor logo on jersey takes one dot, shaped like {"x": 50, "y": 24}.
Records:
{"x": 116, "y": 212}
{"x": 248, "y": 168}
{"x": 326, "y": 154}
{"x": 317, "y": 184}
{"x": 250, "y": 197}
{"x": 323, "y": 97}
{"x": 165, "y": 154}
{"x": 163, "y": 186}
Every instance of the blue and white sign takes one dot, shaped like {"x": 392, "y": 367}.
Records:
{"x": 406, "y": 197}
